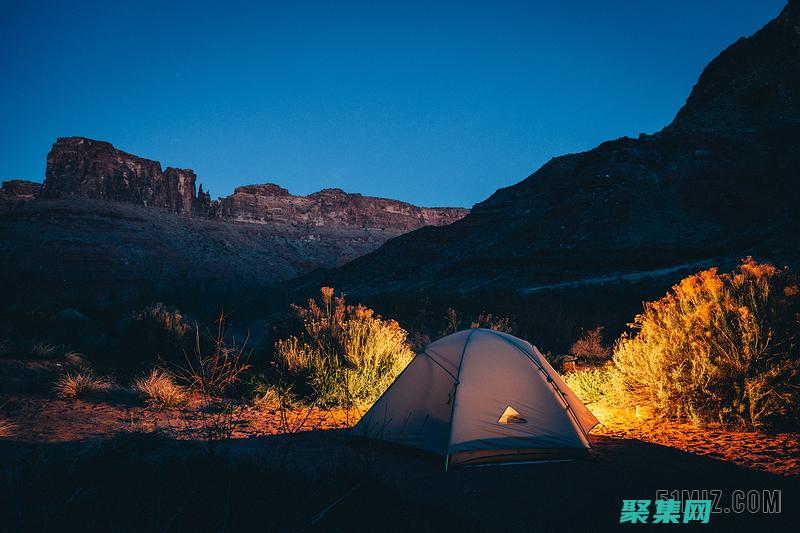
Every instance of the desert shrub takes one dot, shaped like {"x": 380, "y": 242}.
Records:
{"x": 343, "y": 354}
{"x": 271, "y": 396}
{"x": 452, "y": 322}
{"x": 489, "y": 321}
{"x": 214, "y": 366}
{"x": 593, "y": 385}
{"x": 78, "y": 383}
{"x": 43, "y": 350}
{"x": 589, "y": 347}
{"x": 482, "y": 320}
{"x": 718, "y": 347}
{"x": 159, "y": 390}
{"x": 160, "y": 329}
{"x": 75, "y": 359}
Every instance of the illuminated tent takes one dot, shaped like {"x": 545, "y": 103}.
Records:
{"x": 481, "y": 396}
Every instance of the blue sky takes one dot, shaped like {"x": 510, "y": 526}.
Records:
{"x": 434, "y": 103}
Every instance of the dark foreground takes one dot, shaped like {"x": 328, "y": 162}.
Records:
{"x": 323, "y": 481}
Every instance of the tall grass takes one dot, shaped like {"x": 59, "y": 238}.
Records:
{"x": 79, "y": 383}
{"x": 342, "y": 354}
{"x": 719, "y": 347}
{"x": 43, "y": 350}
{"x": 159, "y": 390}
{"x": 213, "y": 369}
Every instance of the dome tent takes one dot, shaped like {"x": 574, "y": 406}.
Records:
{"x": 481, "y": 396}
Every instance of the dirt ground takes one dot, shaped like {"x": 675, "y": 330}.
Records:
{"x": 404, "y": 490}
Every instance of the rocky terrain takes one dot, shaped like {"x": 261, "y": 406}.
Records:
{"x": 14, "y": 193}
{"x": 632, "y": 216}
{"x": 84, "y": 168}
{"x": 107, "y": 225}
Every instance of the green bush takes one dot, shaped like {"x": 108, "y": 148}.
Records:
{"x": 593, "y": 385}
{"x": 342, "y": 354}
{"x": 719, "y": 347}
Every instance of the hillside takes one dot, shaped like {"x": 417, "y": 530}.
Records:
{"x": 719, "y": 183}
{"x": 107, "y": 227}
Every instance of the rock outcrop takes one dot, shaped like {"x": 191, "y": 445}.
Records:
{"x": 272, "y": 204}
{"x": 85, "y": 168}
{"x": 109, "y": 227}
{"x": 14, "y": 193}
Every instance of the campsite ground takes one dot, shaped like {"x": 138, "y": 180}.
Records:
{"x": 107, "y": 461}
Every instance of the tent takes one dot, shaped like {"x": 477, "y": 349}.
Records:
{"x": 480, "y": 396}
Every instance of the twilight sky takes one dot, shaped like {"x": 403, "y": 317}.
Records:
{"x": 436, "y": 103}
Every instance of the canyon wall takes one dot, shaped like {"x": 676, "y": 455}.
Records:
{"x": 85, "y": 168}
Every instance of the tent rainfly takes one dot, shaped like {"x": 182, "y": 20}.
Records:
{"x": 480, "y": 396}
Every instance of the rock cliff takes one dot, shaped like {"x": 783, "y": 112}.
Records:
{"x": 85, "y": 168}
{"x": 16, "y": 192}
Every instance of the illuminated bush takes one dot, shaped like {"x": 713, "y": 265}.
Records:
{"x": 342, "y": 354}
{"x": 592, "y": 385}
{"x": 719, "y": 347}
{"x": 159, "y": 390}
{"x": 79, "y": 383}
{"x": 589, "y": 346}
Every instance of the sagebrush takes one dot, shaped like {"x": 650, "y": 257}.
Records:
{"x": 594, "y": 386}
{"x": 343, "y": 354}
{"x": 719, "y": 347}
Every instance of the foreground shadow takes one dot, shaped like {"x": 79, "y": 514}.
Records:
{"x": 324, "y": 480}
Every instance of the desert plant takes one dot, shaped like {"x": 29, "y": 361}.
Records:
{"x": 452, "y": 322}
{"x": 43, "y": 350}
{"x": 592, "y": 385}
{"x": 163, "y": 319}
{"x": 161, "y": 330}
{"x": 489, "y": 321}
{"x": 343, "y": 355}
{"x": 589, "y": 347}
{"x": 212, "y": 371}
{"x": 718, "y": 347}
{"x": 75, "y": 359}
{"x": 159, "y": 390}
{"x": 78, "y": 383}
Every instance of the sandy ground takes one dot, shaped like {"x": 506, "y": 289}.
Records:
{"x": 778, "y": 453}
{"x": 631, "y": 458}
{"x": 33, "y": 414}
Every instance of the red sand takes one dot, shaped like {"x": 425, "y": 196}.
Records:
{"x": 37, "y": 416}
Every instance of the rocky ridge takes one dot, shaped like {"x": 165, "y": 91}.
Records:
{"x": 721, "y": 182}
{"x": 85, "y": 168}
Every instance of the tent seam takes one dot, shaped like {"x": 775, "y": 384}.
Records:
{"x": 550, "y": 380}
{"x": 455, "y": 392}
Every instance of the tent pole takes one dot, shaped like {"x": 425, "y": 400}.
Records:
{"x": 455, "y": 390}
